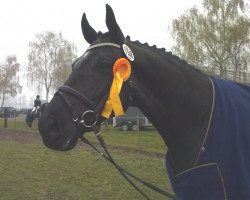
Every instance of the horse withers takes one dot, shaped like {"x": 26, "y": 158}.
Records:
{"x": 207, "y": 154}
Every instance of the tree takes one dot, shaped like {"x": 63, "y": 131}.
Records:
{"x": 9, "y": 80}
{"x": 217, "y": 39}
{"x": 65, "y": 58}
{"x": 50, "y": 59}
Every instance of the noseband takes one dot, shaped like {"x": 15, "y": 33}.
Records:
{"x": 83, "y": 120}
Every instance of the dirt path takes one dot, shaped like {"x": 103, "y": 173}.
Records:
{"x": 14, "y": 135}
{"x": 25, "y": 137}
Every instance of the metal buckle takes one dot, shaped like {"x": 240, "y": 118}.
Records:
{"x": 86, "y": 116}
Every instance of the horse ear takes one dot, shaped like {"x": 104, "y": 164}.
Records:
{"x": 112, "y": 25}
{"x": 88, "y": 32}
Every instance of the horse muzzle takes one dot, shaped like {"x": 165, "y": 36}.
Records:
{"x": 57, "y": 129}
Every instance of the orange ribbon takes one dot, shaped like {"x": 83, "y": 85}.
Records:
{"x": 121, "y": 72}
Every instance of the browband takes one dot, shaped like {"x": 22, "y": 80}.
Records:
{"x": 126, "y": 50}
{"x": 104, "y": 44}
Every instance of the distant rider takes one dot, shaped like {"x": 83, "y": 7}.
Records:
{"x": 37, "y": 104}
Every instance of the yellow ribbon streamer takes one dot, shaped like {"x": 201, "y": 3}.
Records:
{"x": 121, "y": 71}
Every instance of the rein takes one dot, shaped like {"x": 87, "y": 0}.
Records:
{"x": 122, "y": 171}
{"x": 93, "y": 114}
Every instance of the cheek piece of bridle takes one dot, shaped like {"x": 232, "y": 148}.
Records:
{"x": 89, "y": 119}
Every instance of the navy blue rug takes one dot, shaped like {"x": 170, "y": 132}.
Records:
{"x": 222, "y": 170}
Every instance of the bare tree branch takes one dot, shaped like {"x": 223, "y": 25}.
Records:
{"x": 47, "y": 57}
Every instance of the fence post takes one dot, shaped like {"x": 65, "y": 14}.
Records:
{"x": 5, "y": 117}
{"x": 137, "y": 122}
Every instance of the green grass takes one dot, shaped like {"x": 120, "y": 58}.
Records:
{"x": 31, "y": 171}
{"x": 147, "y": 140}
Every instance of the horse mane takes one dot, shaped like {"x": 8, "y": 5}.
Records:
{"x": 164, "y": 53}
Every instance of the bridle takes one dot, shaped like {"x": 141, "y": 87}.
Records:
{"x": 69, "y": 90}
{"x": 93, "y": 112}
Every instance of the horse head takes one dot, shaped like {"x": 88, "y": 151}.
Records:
{"x": 115, "y": 72}
{"x": 79, "y": 103}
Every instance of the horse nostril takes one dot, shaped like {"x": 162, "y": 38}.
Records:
{"x": 53, "y": 126}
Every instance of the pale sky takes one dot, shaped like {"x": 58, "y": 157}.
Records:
{"x": 147, "y": 21}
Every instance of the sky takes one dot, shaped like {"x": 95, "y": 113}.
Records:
{"x": 21, "y": 20}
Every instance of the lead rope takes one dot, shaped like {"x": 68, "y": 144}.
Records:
{"x": 122, "y": 171}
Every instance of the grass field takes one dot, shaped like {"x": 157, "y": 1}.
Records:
{"x": 31, "y": 171}
{"x": 18, "y": 123}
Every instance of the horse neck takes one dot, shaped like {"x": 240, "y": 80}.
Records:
{"x": 176, "y": 98}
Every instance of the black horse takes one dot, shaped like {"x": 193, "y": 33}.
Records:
{"x": 207, "y": 151}
{"x": 32, "y": 115}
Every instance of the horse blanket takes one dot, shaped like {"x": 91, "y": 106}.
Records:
{"x": 222, "y": 170}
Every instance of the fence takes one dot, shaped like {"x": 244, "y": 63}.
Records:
{"x": 18, "y": 123}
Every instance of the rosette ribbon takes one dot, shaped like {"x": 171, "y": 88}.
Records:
{"x": 121, "y": 72}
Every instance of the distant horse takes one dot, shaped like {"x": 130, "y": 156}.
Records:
{"x": 204, "y": 121}
{"x": 32, "y": 115}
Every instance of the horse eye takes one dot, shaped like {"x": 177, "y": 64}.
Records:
{"x": 103, "y": 65}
